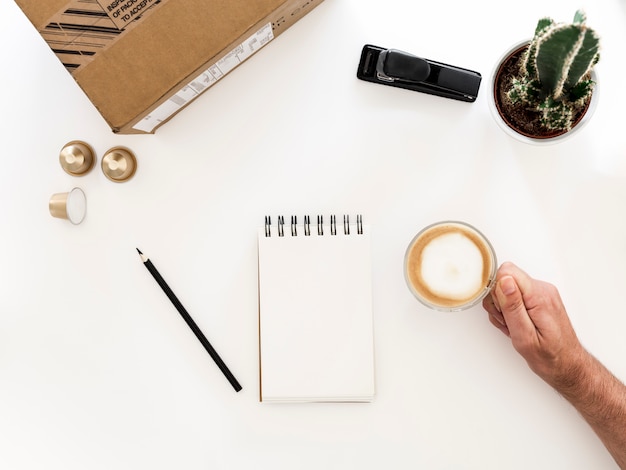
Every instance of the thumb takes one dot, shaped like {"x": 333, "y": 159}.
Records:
{"x": 513, "y": 309}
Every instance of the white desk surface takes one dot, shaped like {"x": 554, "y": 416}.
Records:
{"x": 97, "y": 369}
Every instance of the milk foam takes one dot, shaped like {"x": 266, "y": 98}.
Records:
{"x": 452, "y": 266}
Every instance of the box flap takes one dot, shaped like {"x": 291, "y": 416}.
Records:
{"x": 159, "y": 53}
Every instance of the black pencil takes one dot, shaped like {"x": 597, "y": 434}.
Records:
{"x": 183, "y": 313}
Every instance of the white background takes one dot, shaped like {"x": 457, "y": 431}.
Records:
{"x": 98, "y": 371}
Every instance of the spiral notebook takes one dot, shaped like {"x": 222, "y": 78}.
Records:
{"x": 316, "y": 341}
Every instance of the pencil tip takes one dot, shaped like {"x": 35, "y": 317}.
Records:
{"x": 143, "y": 257}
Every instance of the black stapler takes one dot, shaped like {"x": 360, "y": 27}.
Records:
{"x": 396, "y": 68}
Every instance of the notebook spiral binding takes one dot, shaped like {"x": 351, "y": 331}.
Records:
{"x": 306, "y": 226}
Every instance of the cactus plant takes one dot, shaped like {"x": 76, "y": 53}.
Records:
{"x": 554, "y": 76}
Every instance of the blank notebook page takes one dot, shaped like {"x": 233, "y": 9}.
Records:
{"x": 315, "y": 316}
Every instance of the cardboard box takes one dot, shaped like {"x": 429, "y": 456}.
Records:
{"x": 141, "y": 61}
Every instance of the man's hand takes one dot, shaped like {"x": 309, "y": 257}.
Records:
{"x": 532, "y": 314}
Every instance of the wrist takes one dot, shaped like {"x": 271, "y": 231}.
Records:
{"x": 573, "y": 375}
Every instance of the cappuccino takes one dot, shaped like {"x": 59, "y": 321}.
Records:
{"x": 450, "y": 266}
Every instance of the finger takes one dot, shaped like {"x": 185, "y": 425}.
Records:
{"x": 524, "y": 281}
{"x": 495, "y": 302}
{"x": 499, "y": 318}
{"x": 499, "y": 325}
{"x": 489, "y": 304}
{"x": 519, "y": 324}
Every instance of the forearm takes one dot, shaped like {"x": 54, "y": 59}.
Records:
{"x": 601, "y": 400}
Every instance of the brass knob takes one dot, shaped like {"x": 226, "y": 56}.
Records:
{"x": 119, "y": 164}
{"x": 77, "y": 158}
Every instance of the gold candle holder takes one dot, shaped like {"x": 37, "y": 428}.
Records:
{"x": 77, "y": 158}
{"x": 119, "y": 164}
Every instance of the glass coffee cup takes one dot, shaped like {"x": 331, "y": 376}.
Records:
{"x": 450, "y": 266}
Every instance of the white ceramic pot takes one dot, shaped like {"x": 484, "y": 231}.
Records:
{"x": 530, "y": 140}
